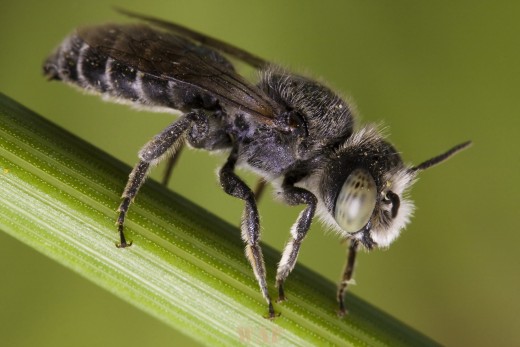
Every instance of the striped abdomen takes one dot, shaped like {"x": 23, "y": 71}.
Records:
{"x": 77, "y": 62}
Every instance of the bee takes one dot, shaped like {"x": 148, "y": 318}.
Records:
{"x": 292, "y": 130}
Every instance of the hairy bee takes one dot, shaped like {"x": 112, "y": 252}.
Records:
{"x": 290, "y": 129}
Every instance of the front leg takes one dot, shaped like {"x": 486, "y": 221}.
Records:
{"x": 294, "y": 196}
{"x": 250, "y": 225}
{"x": 347, "y": 275}
{"x": 164, "y": 144}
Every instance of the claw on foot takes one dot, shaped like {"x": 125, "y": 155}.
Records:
{"x": 342, "y": 312}
{"x": 281, "y": 292}
{"x": 271, "y": 315}
{"x": 123, "y": 243}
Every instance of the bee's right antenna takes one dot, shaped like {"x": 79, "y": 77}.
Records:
{"x": 440, "y": 158}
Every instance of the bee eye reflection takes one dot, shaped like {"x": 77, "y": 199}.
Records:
{"x": 356, "y": 201}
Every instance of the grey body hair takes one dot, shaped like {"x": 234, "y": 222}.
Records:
{"x": 290, "y": 129}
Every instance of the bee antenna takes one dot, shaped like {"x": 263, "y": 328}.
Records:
{"x": 440, "y": 158}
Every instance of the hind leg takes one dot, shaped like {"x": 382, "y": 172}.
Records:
{"x": 161, "y": 146}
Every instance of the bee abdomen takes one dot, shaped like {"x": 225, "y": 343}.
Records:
{"x": 63, "y": 64}
{"x": 78, "y": 63}
{"x": 84, "y": 59}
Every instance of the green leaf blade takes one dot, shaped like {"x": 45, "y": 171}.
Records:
{"x": 186, "y": 267}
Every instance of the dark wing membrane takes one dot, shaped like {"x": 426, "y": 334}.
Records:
{"x": 171, "y": 57}
{"x": 206, "y": 40}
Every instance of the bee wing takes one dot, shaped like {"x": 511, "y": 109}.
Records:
{"x": 206, "y": 40}
{"x": 172, "y": 57}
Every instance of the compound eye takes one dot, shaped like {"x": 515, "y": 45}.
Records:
{"x": 356, "y": 201}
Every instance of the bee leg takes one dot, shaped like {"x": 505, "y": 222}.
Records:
{"x": 259, "y": 189}
{"x": 250, "y": 226}
{"x": 162, "y": 145}
{"x": 172, "y": 161}
{"x": 347, "y": 276}
{"x": 294, "y": 196}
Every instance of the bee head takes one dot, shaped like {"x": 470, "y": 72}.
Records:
{"x": 363, "y": 188}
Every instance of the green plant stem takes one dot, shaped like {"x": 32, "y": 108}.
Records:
{"x": 186, "y": 266}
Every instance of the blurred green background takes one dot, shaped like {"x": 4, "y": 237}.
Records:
{"x": 437, "y": 73}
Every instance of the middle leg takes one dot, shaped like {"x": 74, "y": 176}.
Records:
{"x": 172, "y": 161}
{"x": 250, "y": 226}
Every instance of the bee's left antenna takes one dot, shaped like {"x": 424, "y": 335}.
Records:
{"x": 440, "y": 158}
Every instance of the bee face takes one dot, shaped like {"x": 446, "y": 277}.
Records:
{"x": 394, "y": 209}
{"x": 362, "y": 189}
